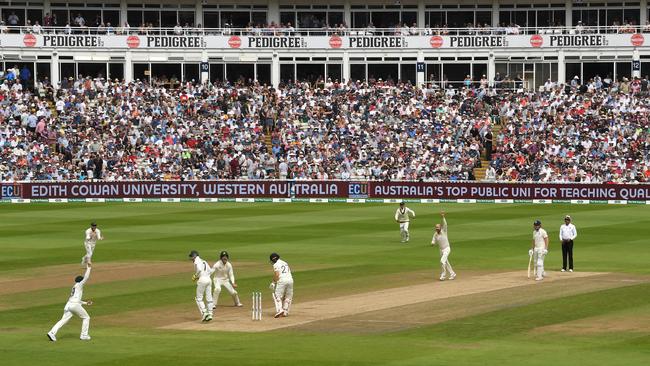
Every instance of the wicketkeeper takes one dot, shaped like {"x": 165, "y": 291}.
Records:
{"x": 224, "y": 276}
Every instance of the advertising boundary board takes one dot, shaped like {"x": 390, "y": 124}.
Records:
{"x": 89, "y": 42}
{"x": 323, "y": 192}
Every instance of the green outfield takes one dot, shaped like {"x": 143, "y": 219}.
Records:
{"x": 399, "y": 314}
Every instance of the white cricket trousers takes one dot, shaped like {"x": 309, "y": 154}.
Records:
{"x": 404, "y": 230}
{"x": 231, "y": 290}
{"x": 69, "y": 310}
{"x": 444, "y": 262}
{"x": 282, "y": 296}
{"x": 539, "y": 255}
{"x": 203, "y": 288}
{"x": 90, "y": 248}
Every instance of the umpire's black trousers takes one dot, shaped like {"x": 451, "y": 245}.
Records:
{"x": 567, "y": 251}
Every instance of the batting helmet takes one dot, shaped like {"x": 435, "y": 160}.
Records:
{"x": 537, "y": 223}
{"x": 193, "y": 254}
{"x": 224, "y": 254}
{"x": 274, "y": 257}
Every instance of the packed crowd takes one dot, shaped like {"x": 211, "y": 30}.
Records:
{"x": 102, "y": 129}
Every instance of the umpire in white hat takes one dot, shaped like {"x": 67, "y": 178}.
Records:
{"x": 568, "y": 233}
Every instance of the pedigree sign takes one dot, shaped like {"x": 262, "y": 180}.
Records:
{"x": 237, "y": 42}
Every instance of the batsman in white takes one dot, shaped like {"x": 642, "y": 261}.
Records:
{"x": 92, "y": 235}
{"x": 203, "y": 277}
{"x": 440, "y": 238}
{"x": 539, "y": 248}
{"x": 224, "y": 276}
{"x": 282, "y": 286}
{"x": 403, "y": 216}
{"x": 74, "y": 307}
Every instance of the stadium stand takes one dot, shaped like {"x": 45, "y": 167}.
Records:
{"x": 469, "y": 90}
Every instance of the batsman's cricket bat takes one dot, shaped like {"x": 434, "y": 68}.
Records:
{"x": 530, "y": 260}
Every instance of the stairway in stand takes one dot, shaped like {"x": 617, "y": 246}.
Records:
{"x": 479, "y": 173}
{"x": 268, "y": 142}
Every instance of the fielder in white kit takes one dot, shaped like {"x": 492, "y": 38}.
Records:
{"x": 74, "y": 307}
{"x": 282, "y": 286}
{"x": 539, "y": 248}
{"x": 203, "y": 278}
{"x": 403, "y": 216}
{"x": 224, "y": 276}
{"x": 92, "y": 235}
{"x": 440, "y": 238}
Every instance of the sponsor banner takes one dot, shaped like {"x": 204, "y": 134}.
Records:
{"x": 356, "y": 200}
{"x": 203, "y": 189}
{"x": 11, "y": 190}
{"x": 617, "y": 202}
{"x": 524, "y": 191}
{"x": 390, "y": 192}
{"x": 188, "y": 42}
{"x": 57, "y": 200}
{"x": 251, "y": 200}
{"x": 170, "y": 200}
{"x": 318, "y": 200}
{"x": 208, "y": 200}
{"x": 281, "y": 200}
{"x": 20, "y": 200}
{"x": 95, "y": 200}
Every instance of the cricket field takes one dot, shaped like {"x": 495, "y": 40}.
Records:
{"x": 360, "y": 298}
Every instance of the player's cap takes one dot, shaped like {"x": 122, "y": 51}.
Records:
{"x": 193, "y": 254}
{"x": 567, "y": 217}
{"x": 402, "y": 203}
{"x": 537, "y": 223}
{"x": 223, "y": 254}
{"x": 78, "y": 279}
{"x": 274, "y": 257}
{"x": 93, "y": 224}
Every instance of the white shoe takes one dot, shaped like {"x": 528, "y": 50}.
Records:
{"x": 85, "y": 338}
{"x": 442, "y": 278}
{"x": 286, "y": 314}
{"x": 51, "y": 336}
{"x": 239, "y": 305}
{"x": 279, "y": 314}
{"x": 539, "y": 278}
{"x": 563, "y": 270}
{"x": 453, "y": 275}
{"x": 570, "y": 270}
